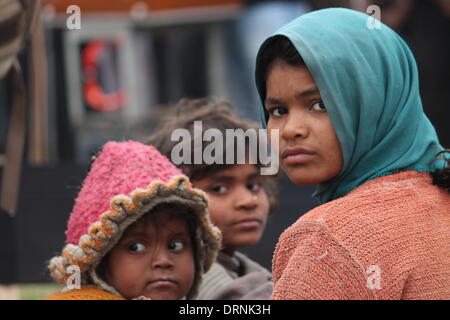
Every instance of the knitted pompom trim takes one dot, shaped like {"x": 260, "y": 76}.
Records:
{"x": 103, "y": 235}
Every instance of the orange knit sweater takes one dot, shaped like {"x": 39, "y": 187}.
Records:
{"x": 387, "y": 239}
{"x": 84, "y": 293}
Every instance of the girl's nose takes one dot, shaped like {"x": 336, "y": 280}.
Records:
{"x": 245, "y": 199}
{"x": 161, "y": 258}
{"x": 294, "y": 127}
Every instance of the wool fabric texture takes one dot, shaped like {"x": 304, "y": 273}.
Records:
{"x": 387, "y": 239}
{"x": 84, "y": 293}
{"x": 121, "y": 168}
{"x": 236, "y": 277}
{"x": 369, "y": 83}
{"x": 125, "y": 182}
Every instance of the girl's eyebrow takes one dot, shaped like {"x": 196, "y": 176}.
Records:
{"x": 273, "y": 101}
{"x": 253, "y": 175}
{"x": 181, "y": 234}
{"x": 308, "y": 92}
{"x": 232, "y": 178}
{"x": 140, "y": 234}
{"x": 301, "y": 95}
{"x": 222, "y": 178}
{"x": 136, "y": 234}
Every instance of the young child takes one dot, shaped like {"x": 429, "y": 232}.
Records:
{"x": 138, "y": 230}
{"x": 240, "y": 200}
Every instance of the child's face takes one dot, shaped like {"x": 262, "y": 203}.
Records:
{"x": 309, "y": 149}
{"x": 154, "y": 258}
{"x": 238, "y": 205}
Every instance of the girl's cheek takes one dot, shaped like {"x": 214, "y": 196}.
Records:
{"x": 270, "y": 128}
{"x": 264, "y": 202}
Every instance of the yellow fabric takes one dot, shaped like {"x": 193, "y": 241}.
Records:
{"x": 84, "y": 293}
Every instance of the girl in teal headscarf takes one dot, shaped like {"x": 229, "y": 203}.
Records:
{"x": 345, "y": 99}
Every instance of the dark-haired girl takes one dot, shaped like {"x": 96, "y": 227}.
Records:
{"x": 343, "y": 91}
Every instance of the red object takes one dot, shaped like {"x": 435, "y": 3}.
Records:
{"x": 89, "y": 6}
{"x": 120, "y": 168}
{"x": 93, "y": 92}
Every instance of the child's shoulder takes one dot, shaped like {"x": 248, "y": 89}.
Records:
{"x": 378, "y": 211}
{"x": 377, "y": 198}
{"x": 84, "y": 293}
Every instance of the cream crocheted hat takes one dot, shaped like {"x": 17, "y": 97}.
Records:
{"x": 125, "y": 182}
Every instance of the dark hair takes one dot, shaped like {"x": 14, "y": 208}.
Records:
{"x": 177, "y": 210}
{"x": 278, "y": 47}
{"x": 213, "y": 113}
{"x": 441, "y": 178}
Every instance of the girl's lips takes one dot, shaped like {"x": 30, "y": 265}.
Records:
{"x": 296, "y": 155}
{"x": 299, "y": 158}
{"x": 248, "y": 224}
{"x": 162, "y": 283}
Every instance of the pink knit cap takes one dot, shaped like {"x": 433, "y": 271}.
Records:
{"x": 120, "y": 168}
{"x": 125, "y": 182}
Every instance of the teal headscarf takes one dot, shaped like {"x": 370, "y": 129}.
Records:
{"x": 368, "y": 80}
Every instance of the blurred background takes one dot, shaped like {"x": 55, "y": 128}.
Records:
{"x": 108, "y": 70}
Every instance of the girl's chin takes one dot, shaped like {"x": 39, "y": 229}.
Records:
{"x": 162, "y": 296}
{"x": 306, "y": 176}
{"x": 302, "y": 180}
{"x": 302, "y": 177}
{"x": 247, "y": 242}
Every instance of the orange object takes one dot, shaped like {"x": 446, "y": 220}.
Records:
{"x": 387, "y": 239}
{"x": 93, "y": 92}
{"x": 84, "y": 293}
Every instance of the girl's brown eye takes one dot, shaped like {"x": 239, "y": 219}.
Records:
{"x": 136, "y": 247}
{"x": 176, "y": 245}
{"x": 219, "y": 189}
{"x": 318, "y": 106}
{"x": 278, "y": 111}
{"x": 254, "y": 186}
